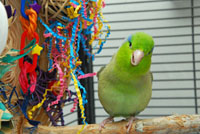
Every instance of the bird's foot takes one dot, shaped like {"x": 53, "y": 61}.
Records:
{"x": 130, "y": 122}
{"x": 104, "y": 122}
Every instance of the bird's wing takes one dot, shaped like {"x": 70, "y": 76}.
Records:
{"x": 102, "y": 68}
{"x": 151, "y": 76}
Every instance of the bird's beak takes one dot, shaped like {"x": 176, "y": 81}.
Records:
{"x": 136, "y": 57}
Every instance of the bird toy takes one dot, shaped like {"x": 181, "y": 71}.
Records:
{"x": 63, "y": 35}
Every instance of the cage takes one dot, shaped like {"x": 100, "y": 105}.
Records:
{"x": 175, "y": 26}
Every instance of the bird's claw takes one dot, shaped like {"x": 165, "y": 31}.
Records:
{"x": 101, "y": 126}
{"x": 129, "y": 124}
{"x": 104, "y": 122}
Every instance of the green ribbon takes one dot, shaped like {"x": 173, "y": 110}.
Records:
{"x": 9, "y": 60}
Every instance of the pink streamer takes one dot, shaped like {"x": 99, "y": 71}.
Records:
{"x": 61, "y": 74}
{"x": 74, "y": 105}
{"x": 95, "y": 21}
{"x": 74, "y": 5}
{"x": 86, "y": 75}
{"x": 85, "y": 14}
{"x": 47, "y": 35}
{"x": 103, "y": 4}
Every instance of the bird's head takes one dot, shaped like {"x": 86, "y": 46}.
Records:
{"x": 135, "y": 53}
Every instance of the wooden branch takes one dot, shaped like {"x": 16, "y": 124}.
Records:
{"x": 175, "y": 124}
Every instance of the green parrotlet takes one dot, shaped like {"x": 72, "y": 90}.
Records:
{"x": 125, "y": 84}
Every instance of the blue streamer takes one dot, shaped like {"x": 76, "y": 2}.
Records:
{"x": 83, "y": 93}
{"x": 79, "y": 38}
{"x": 108, "y": 34}
{"x": 49, "y": 55}
{"x": 83, "y": 42}
{"x": 82, "y": 13}
{"x": 23, "y": 3}
{"x": 75, "y": 2}
{"x": 103, "y": 42}
{"x": 68, "y": 19}
{"x": 88, "y": 30}
{"x": 72, "y": 58}
{"x": 51, "y": 31}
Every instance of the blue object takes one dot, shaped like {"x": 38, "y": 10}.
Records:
{"x": 23, "y": 2}
{"x": 6, "y": 115}
{"x": 2, "y": 107}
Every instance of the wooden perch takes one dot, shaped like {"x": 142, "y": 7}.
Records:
{"x": 175, "y": 124}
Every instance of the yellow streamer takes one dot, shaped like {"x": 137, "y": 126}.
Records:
{"x": 73, "y": 13}
{"x": 80, "y": 102}
{"x": 30, "y": 112}
{"x": 100, "y": 25}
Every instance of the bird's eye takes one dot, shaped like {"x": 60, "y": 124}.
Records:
{"x": 150, "y": 51}
{"x": 130, "y": 44}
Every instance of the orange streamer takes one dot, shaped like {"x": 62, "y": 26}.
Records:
{"x": 31, "y": 24}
